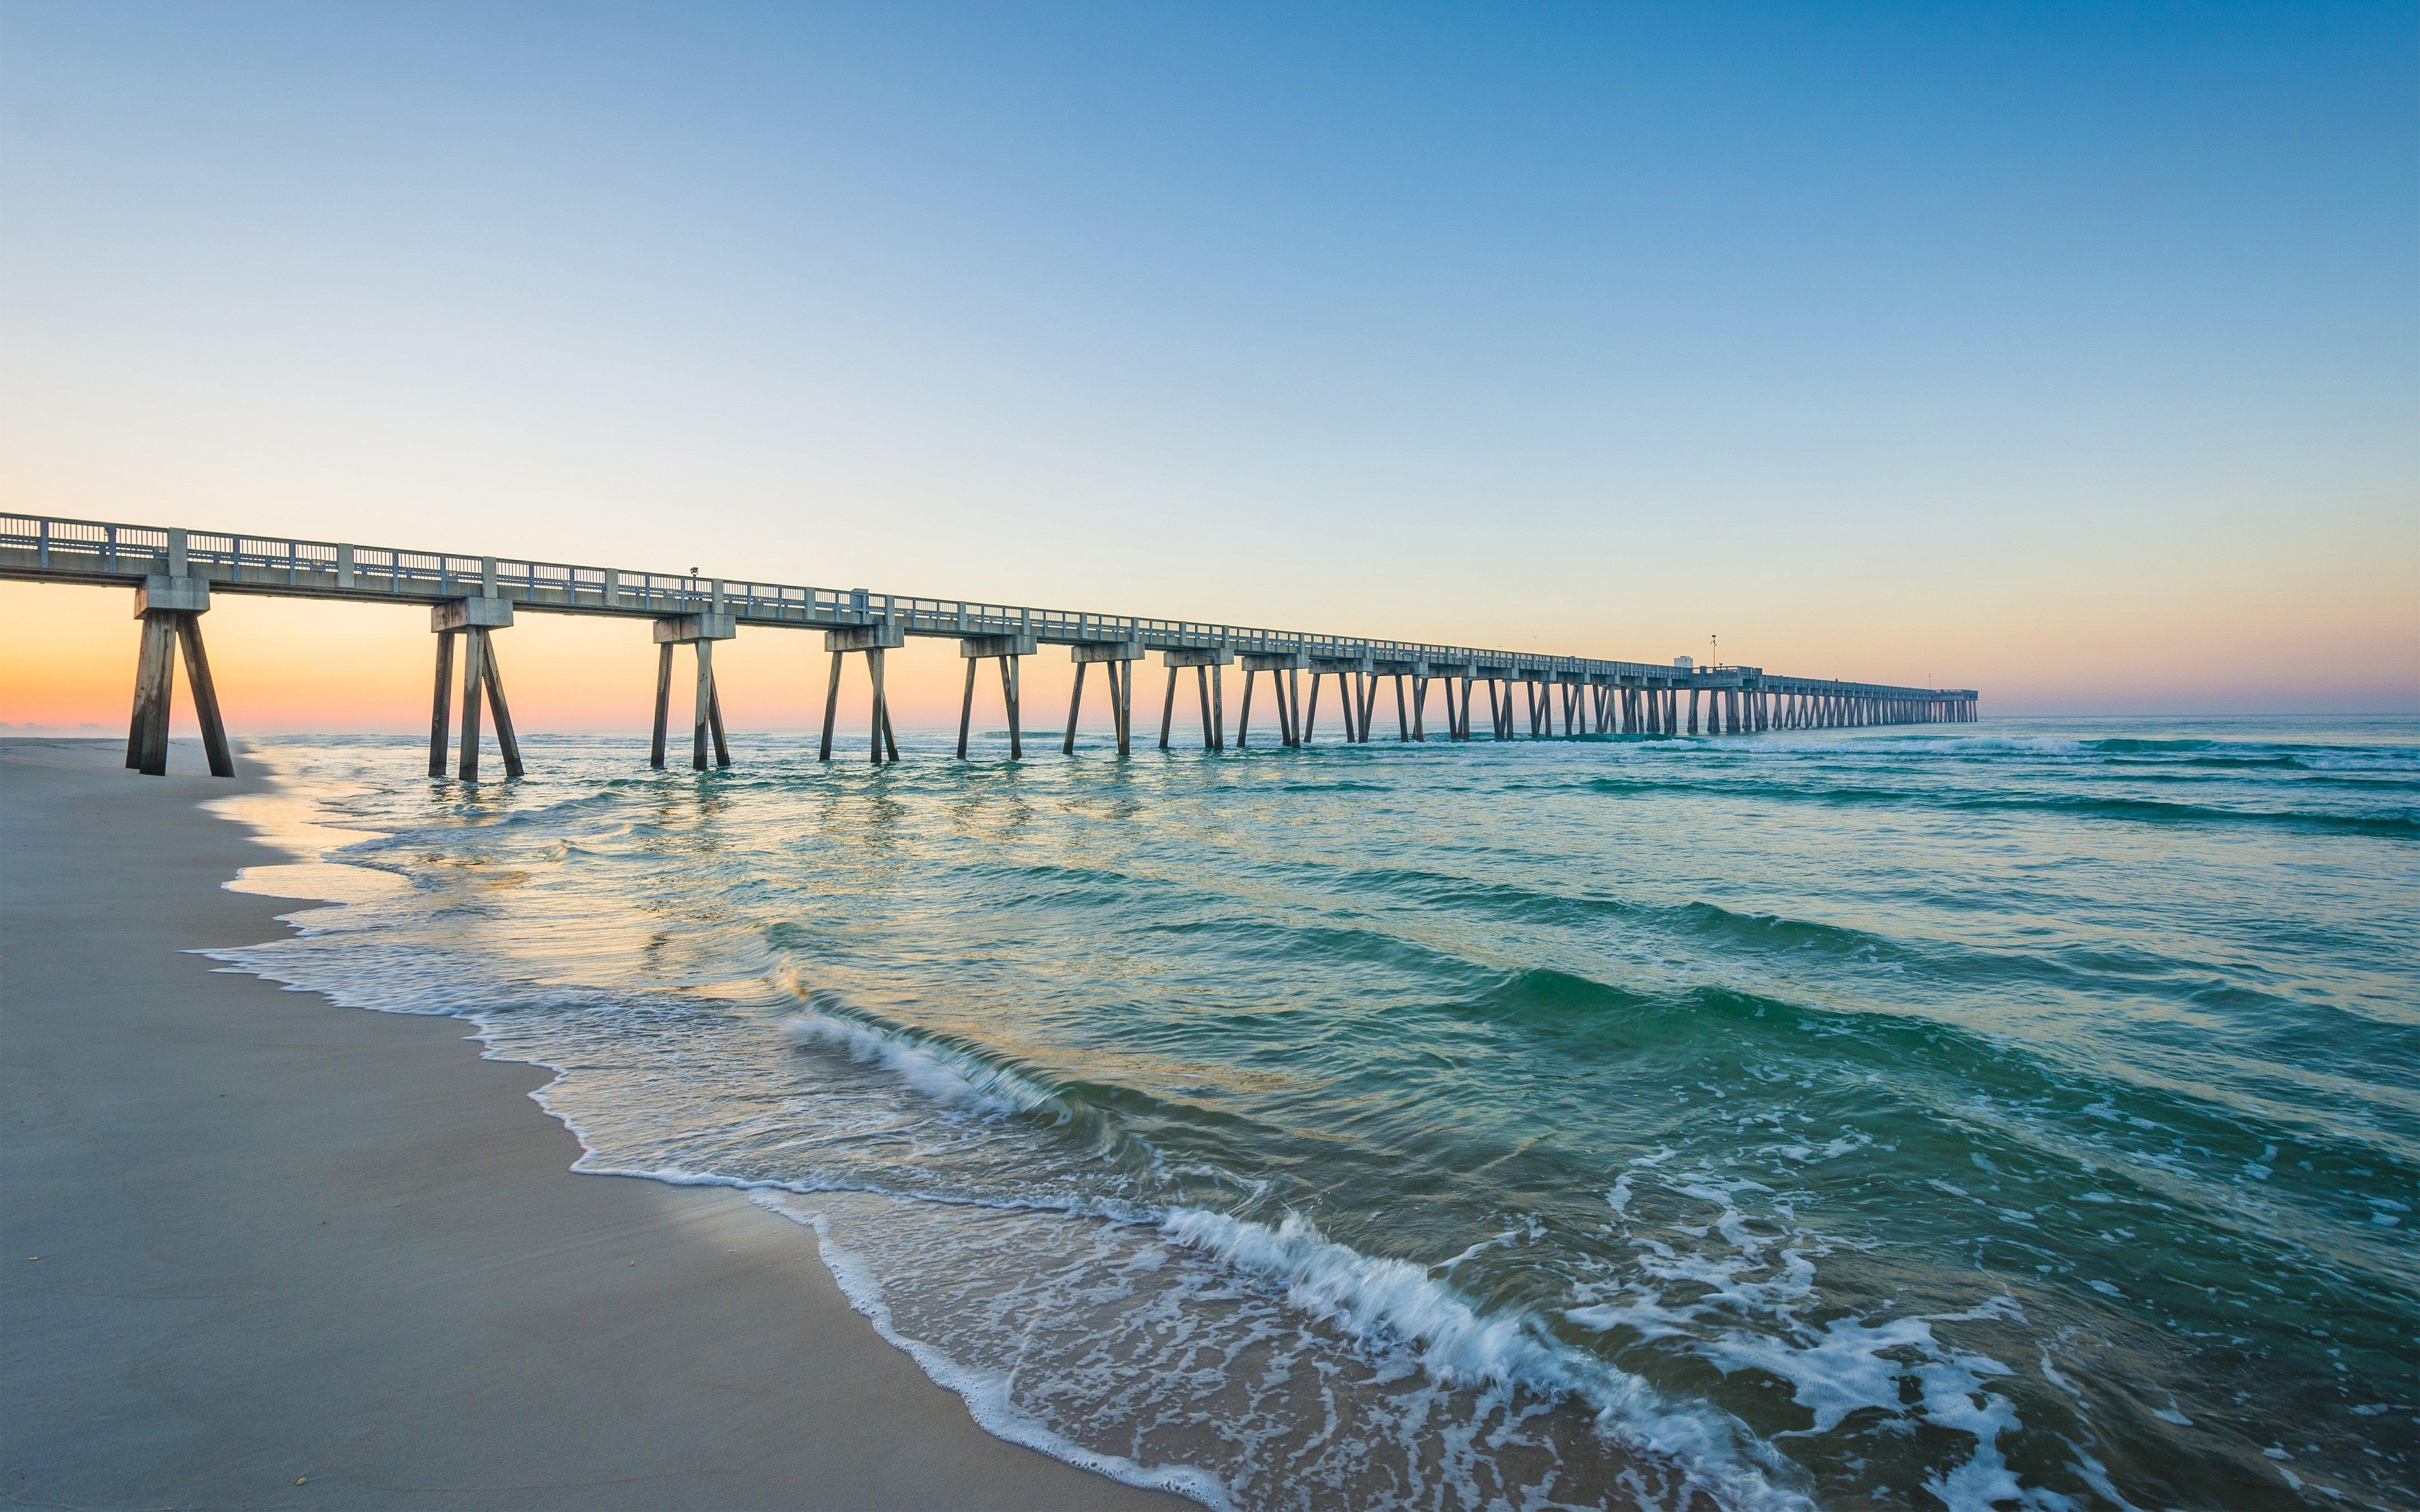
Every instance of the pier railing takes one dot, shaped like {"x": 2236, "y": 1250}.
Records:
{"x": 52, "y": 549}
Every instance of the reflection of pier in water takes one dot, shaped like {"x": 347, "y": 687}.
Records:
{"x": 174, "y": 572}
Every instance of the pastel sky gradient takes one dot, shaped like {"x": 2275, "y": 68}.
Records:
{"x": 2067, "y": 352}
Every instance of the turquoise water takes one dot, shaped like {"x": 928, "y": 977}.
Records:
{"x": 2022, "y": 1113}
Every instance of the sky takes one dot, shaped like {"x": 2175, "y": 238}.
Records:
{"x": 2068, "y": 353}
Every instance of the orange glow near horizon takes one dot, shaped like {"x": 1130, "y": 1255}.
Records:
{"x": 297, "y": 666}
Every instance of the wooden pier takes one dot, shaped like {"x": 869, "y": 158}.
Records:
{"x": 173, "y": 573}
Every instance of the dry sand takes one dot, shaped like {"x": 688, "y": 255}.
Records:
{"x": 297, "y": 1255}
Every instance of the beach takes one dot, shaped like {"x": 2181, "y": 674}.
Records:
{"x": 1361, "y": 1125}
{"x": 265, "y": 1251}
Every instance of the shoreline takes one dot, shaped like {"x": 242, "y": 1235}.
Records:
{"x": 295, "y": 1253}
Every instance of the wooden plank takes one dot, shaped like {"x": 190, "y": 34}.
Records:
{"x": 442, "y": 715}
{"x": 508, "y": 741}
{"x": 206, "y": 696}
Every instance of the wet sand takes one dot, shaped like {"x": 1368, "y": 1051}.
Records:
{"x": 297, "y": 1255}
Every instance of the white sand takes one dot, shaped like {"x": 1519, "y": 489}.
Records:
{"x": 282, "y": 1240}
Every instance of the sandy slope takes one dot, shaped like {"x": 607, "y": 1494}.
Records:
{"x": 281, "y": 1240}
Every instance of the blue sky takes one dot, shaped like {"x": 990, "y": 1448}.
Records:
{"x": 2017, "y": 346}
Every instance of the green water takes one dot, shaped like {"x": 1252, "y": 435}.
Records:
{"x": 2023, "y": 1115}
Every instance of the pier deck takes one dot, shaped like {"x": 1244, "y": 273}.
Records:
{"x": 175, "y": 570}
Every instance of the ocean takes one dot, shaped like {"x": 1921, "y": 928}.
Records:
{"x": 2024, "y": 1113}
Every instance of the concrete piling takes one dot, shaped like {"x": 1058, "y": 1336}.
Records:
{"x": 1010, "y": 652}
{"x": 475, "y": 620}
{"x": 170, "y": 607}
{"x": 699, "y": 631}
{"x": 1116, "y": 660}
{"x": 872, "y": 639}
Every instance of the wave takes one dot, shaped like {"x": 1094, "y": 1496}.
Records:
{"x": 1385, "y": 1299}
{"x": 2402, "y": 823}
{"x": 1205, "y": 1095}
{"x": 986, "y": 1392}
{"x": 1914, "y": 748}
{"x": 943, "y": 1071}
{"x": 1786, "y": 939}
{"x": 2161, "y": 812}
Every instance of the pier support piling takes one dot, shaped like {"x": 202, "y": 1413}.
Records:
{"x": 698, "y": 631}
{"x": 873, "y": 639}
{"x": 1009, "y": 650}
{"x": 884, "y": 746}
{"x": 170, "y": 608}
{"x": 1348, "y": 670}
{"x": 1117, "y": 659}
{"x": 1284, "y": 669}
{"x": 663, "y": 702}
{"x": 475, "y": 620}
